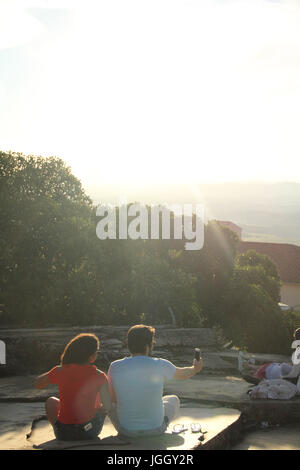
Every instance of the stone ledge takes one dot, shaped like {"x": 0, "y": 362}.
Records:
{"x": 16, "y": 421}
{"x": 32, "y": 351}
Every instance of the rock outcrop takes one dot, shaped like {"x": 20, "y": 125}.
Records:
{"x": 32, "y": 351}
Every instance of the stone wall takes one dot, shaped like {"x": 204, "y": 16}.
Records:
{"x": 32, "y": 351}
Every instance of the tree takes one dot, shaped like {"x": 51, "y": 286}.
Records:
{"x": 212, "y": 267}
{"x": 251, "y": 315}
{"x": 45, "y": 217}
{"x": 55, "y": 270}
{"x": 260, "y": 269}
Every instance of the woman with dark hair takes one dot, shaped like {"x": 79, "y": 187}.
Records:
{"x": 84, "y": 398}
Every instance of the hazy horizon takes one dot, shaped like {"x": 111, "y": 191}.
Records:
{"x": 156, "y": 192}
{"x": 266, "y": 212}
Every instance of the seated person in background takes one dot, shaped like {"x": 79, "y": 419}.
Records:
{"x": 136, "y": 385}
{"x": 274, "y": 370}
{"x": 84, "y": 398}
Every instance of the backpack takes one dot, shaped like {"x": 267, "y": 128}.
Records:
{"x": 275, "y": 389}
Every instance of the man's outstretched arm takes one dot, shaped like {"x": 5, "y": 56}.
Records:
{"x": 183, "y": 373}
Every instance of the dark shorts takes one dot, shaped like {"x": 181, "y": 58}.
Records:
{"x": 79, "y": 432}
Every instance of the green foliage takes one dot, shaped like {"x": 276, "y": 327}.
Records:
{"x": 253, "y": 320}
{"x": 212, "y": 267}
{"x": 292, "y": 319}
{"x": 45, "y": 219}
{"x": 54, "y": 270}
{"x": 260, "y": 269}
{"x": 251, "y": 315}
{"x": 252, "y": 258}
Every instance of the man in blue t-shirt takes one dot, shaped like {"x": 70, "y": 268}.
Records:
{"x": 136, "y": 385}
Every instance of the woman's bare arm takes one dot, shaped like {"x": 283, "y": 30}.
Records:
{"x": 42, "y": 381}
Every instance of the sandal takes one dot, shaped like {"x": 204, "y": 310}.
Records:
{"x": 195, "y": 427}
{"x": 178, "y": 428}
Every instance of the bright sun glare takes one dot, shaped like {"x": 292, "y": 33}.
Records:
{"x": 161, "y": 91}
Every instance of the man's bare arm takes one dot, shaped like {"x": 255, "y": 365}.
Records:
{"x": 183, "y": 373}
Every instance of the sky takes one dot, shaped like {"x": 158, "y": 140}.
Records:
{"x": 156, "y": 91}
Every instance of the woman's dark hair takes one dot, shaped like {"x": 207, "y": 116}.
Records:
{"x": 297, "y": 334}
{"x": 138, "y": 337}
{"x": 79, "y": 349}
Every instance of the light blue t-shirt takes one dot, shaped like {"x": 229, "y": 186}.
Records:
{"x": 138, "y": 384}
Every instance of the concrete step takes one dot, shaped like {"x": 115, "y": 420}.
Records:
{"x": 219, "y": 424}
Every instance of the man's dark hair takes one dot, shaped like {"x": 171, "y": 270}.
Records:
{"x": 138, "y": 337}
{"x": 297, "y": 334}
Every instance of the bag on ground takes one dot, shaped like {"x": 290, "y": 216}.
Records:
{"x": 275, "y": 389}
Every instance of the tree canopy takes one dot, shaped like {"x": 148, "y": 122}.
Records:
{"x": 54, "y": 270}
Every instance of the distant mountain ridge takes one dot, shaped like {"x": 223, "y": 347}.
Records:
{"x": 267, "y": 212}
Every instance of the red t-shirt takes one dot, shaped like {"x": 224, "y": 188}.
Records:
{"x": 261, "y": 372}
{"x": 78, "y": 391}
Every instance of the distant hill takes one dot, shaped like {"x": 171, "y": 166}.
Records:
{"x": 266, "y": 212}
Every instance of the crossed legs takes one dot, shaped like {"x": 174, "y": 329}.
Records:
{"x": 171, "y": 404}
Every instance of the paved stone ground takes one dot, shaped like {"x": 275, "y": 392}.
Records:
{"x": 205, "y": 391}
{"x": 15, "y": 423}
{"x": 22, "y": 388}
{"x": 219, "y": 389}
{"x": 16, "y": 419}
{"x": 213, "y": 420}
{"x": 208, "y": 389}
{"x": 280, "y": 438}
